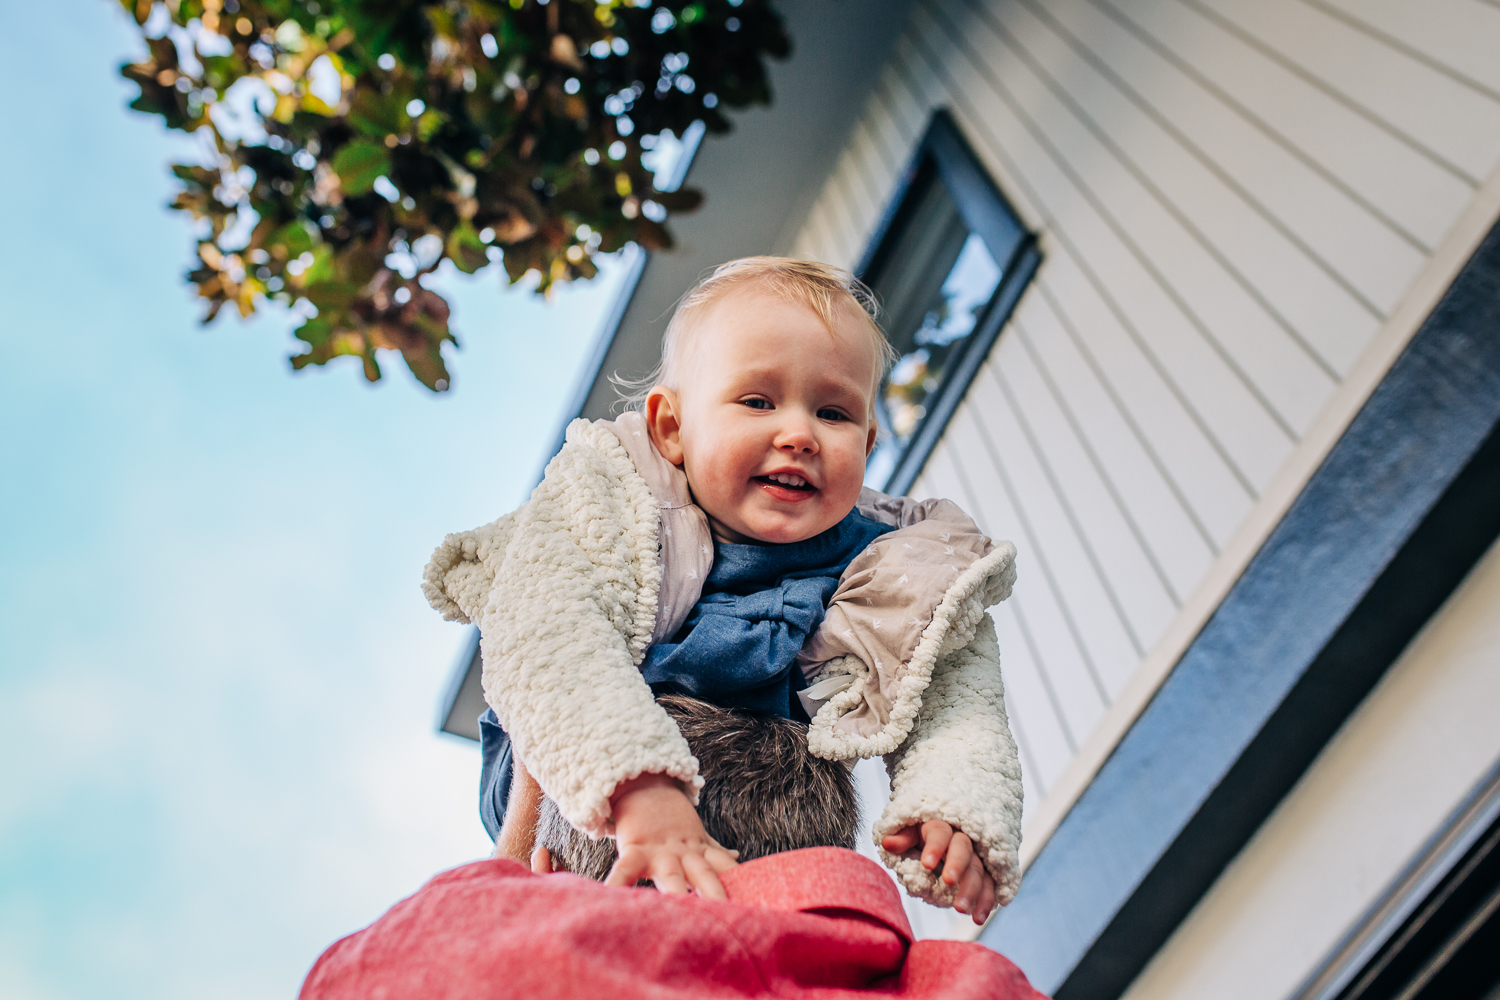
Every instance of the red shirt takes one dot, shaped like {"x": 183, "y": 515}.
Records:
{"x": 818, "y": 923}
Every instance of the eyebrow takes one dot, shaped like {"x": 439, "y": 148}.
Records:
{"x": 839, "y": 387}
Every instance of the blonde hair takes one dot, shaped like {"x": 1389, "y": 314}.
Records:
{"x": 823, "y": 288}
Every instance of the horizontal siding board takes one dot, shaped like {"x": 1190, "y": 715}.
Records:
{"x": 930, "y": 92}
{"x": 1197, "y": 470}
{"x": 843, "y": 241}
{"x": 1032, "y": 707}
{"x": 1211, "y": 491}
{"x": 1198, "y": 467}
{"x": 1031, "y": 698}
{"x": 816, "y": 231}
{"x": 812, "y": 236}
{"x": 860, "y": 200}
{"x": 834, "y": 222}
{"x": 877, "y": 170}
{"x": 1176, "y": 541}
{"x": 1331, "y": 229}
{"x": 1137, "y": 584}
{"x": 821, "y": 230}
{"x": 1080, "y": 699}
{"x": 906, "y": 111}
{"x": 884, "y": 152}
{"x": 1417, "y": 192}
{"x": 846, "y": 229}
{"x": 1235, "y": 419}
{"x": 1455, "y": 36}
{"x": 1031, "y": 791}
{"x": 806, "y": 245}
{"x": 939, "y": 482}
{"x": 1212, "y": 495}
{"x": 886, "y": 131}
{"x": 1391, "y": 85}
{"x": 1090, "y": 607}
{"x": 1205, "y": 480}
{"x": 1289, "y": 376}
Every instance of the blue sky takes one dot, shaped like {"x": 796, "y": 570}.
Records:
{"x": 218, "y": 677}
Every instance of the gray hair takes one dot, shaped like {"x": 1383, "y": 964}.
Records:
{"x": 763, "y": 792}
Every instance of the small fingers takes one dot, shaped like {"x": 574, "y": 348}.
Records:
{"x": 960, "y": 853}
{"x": 629, "y": 868}
{"x": 986, "y": 900}
{"x": 969, "y": 889}
{"x": 701, "y": 875}
{"x": 935, "y": 837}
{"x": 902, "y": 840}
{"x": 666, "y": 872}
{"x": 721, "y": 860}
{"x": 727, "y": 850}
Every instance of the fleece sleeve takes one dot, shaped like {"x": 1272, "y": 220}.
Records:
{"x": 567, "y": 611}
{"x": 959, "y": 765}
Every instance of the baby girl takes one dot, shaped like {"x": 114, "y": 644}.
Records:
{"x": 718, "y": 543}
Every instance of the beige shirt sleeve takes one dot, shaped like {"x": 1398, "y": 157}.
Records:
{"x": 887, "y": 597}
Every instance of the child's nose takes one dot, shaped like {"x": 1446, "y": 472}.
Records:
{"x": 796, "y": 434}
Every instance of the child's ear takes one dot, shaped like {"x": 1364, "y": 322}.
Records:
{"x": 664, "y": 422}
{"x": 870, "y": 440}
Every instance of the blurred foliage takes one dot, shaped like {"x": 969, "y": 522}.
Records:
{"x": 352, "y": 145}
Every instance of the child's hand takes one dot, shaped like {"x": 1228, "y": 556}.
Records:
{"x": 941, "y": 843}
{"x": 660, "y": 837}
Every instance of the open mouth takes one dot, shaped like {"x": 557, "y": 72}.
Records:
{"x": 787, "y": 481}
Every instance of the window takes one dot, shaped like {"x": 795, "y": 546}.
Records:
{"x": 948, "y": 262}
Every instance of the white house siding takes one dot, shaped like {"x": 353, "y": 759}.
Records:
{"x": 1232, "y": 197}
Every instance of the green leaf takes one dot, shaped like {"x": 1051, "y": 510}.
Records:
{"x": 294, "y": 236}
{"x": 315, "y": 332}
{"x": 465, "y": 249}
{"x": 375, "y": 114}
{"x": 321, "y": 270}
{"x": 359, "y": 163}
{"x": 331, "y": 296}
{"x": 429, "y": 123}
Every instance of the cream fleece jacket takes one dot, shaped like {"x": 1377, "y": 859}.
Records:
{"x": 566, "y": 593}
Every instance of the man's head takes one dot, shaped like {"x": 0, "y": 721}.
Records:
{"x": 766, "y": 396}
{"x": 763, "y": 791}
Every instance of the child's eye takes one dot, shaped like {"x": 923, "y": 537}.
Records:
{"x": 756, "y": 403}
{"x": 828, "y": 414}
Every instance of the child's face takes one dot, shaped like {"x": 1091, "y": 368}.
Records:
{"x": 772, "y": 422}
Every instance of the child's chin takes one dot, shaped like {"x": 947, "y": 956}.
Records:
{"x": 784, "y": 533}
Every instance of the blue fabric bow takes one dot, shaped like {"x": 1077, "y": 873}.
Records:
{"x": 759, "y": 605}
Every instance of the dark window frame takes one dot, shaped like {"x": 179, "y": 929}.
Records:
{"x": 945, "y": 157}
